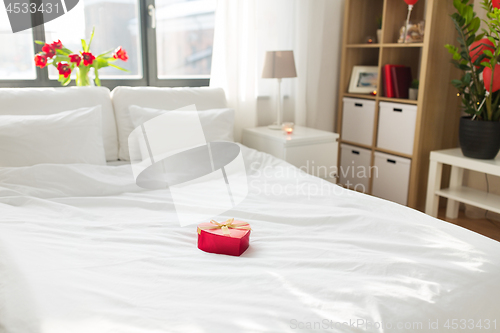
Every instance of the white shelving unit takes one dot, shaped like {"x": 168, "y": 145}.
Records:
{"x": 457, "y": 193}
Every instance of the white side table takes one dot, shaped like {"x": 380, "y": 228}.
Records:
{"x": 457, "y": 193}
{"x": 312, "y": 150}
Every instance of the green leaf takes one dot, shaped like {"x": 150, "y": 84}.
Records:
{"x": 91, "y": 37}
{"x": 488, "y": 53}
{"x": 474, "y": 25}
{"x": 451, "y": 49}
{"x": 467, "y": 78}
{"x": 107, "y": 52}
{"x": 485, "y": 64}
{"x": 464, "y": 67}
{"x": 84, "y": 45}
{"x": 471, "y": 39}
{"x": 118, "y": 67}
{"x": 39, "y": 42}
{"x": 64, "y": 51}
{"x": 468, "y": 14}
{"x": 59, "y": 58}
{"x": 458, "y": 5}
{"x": 457, "y": 83}
{"x": 101, "y": 62}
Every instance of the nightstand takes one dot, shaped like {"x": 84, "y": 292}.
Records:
{"x": 312, "y": 150}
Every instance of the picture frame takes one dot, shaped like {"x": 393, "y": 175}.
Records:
{"x": 364, "y": 79}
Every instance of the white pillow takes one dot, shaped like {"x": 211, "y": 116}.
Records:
{"x": 62, "y": 138}
{"x": 217, "y": 124}
{"x": 45, "y": 101}
{"x": 205, "y": 98}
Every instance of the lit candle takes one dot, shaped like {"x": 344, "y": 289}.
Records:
{"x": 288, "y": 128}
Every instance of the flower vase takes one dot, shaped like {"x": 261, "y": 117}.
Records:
{"x": 82, "y": 77}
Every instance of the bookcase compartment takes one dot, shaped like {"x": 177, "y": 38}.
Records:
{"x": 395, "y": 18}
{"x": 364, "y": 24}
{"x": 407, "y": 56}
{"x": 359, "y": 57}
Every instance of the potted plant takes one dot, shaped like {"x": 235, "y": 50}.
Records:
{"x": 478, "y": 57}
{"x": 413, "y": 91}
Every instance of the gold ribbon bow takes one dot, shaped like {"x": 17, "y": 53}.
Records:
{"x": 225, "y": 226}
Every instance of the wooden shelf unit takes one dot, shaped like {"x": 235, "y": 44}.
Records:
{"x": 437, "y": 105}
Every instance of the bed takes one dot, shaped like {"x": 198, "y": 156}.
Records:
{"x": 84, "y": 249}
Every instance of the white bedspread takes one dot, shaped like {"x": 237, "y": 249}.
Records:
{"x": 84, "y": 250}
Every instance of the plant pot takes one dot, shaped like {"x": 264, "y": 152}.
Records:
{"x": 379, "y": 36}
{"x": 479, "y": 139}
{"x": 413, "y": 94}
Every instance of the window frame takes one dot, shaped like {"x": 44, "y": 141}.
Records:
{"x": 148, "y": 52}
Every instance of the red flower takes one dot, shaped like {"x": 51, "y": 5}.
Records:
{"x": 57, "y": 45}
{"x": 64, "y": 69}
{"x": 49, "y": 50}
{"x": 88, "y": 58}
{"x": 122, "y": 54}
{"x": 75, "y": 58}
{"x": 41, "y": 60}
{"x": 495, "y": 3}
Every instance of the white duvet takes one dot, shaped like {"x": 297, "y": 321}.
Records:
{"x": 84, "y": 250}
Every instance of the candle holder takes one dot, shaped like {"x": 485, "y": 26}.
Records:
{"x": 288, "y": 128}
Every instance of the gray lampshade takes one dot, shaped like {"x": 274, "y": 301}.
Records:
{"x": 279, "y": 64}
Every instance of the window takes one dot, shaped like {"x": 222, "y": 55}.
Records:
{"x": 184, "y": 37}
{"x": 174, "y": 50}
{"x": 116, "y": 24}
{"x": 16, "y": 52}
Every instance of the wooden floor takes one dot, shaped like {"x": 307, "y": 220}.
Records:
{"x": 488, "y": 228}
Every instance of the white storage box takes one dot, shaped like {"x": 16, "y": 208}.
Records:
{"x": 355, "y": 167}
{"x": 357, "y": 120}
{"x": 391, "y": 177}
{"x": 396, "y": 127}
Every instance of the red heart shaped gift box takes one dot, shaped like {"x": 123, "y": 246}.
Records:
{"x": 231, "y": 237}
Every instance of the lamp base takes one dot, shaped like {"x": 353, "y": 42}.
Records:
{"x": 274, "y": 127}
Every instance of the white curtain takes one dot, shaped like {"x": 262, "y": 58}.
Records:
{"x": 246, "y": 29}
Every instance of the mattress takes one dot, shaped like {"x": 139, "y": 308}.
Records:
{"x": 83, "y": 249}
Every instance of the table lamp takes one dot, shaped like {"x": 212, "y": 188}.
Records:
{"x": 279, "y": 65}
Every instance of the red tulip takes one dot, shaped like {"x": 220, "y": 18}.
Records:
{"x": 57, "y": 45}
{"x": 41, "y": 60}
{"x": 88, "y": 58}
{"x": 49, "y": 50}
{"x": 495, "y": 3}
{"x": 496, "y": 78}
{"x": 64, "y": 69}
{"x": 75, "y": 58}
{"x": 477, "y": 48}
{"x": 120, "y": 54}
{"x": 412, "y": 2}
